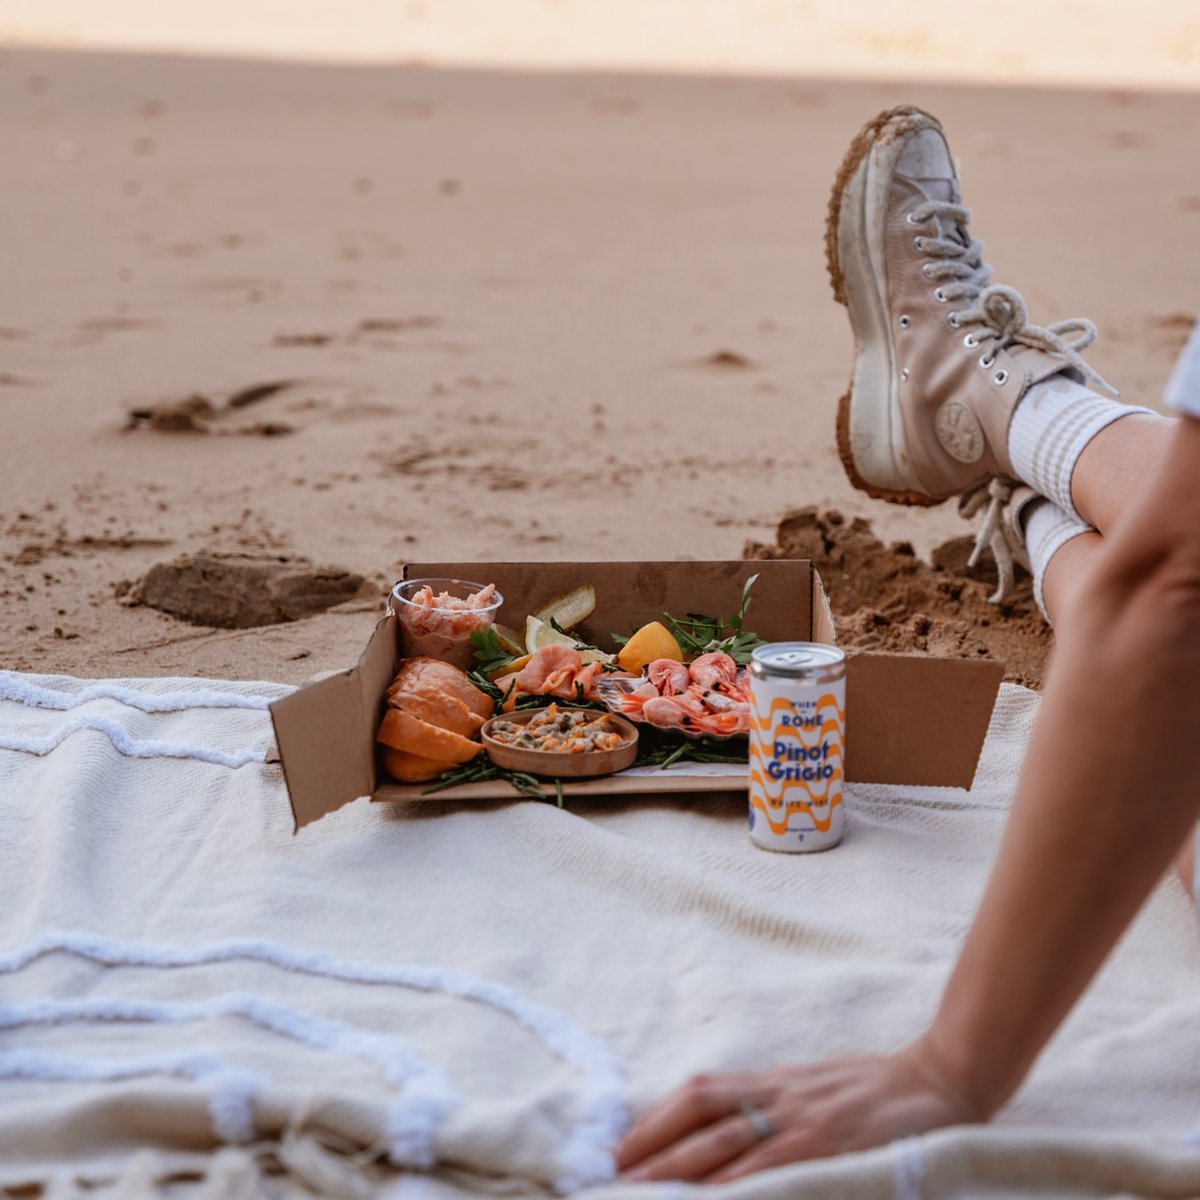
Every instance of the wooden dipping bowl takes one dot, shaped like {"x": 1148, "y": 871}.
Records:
{"x": 554, "y": 764}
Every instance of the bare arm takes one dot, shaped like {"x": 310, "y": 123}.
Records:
{"x": 1109, "y": 790}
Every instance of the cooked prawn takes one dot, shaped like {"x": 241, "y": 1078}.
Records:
{"x": 708, "y": 696}
{"x": 683, "y": 712}
{"x": 668, "y": 676}
{"x": 711, "y": 670}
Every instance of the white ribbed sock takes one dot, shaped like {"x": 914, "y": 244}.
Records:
{"x": 1048, "y": 528}
{"x": 1052, "y": 425}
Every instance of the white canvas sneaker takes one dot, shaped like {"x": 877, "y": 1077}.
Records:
{"x": 942, "y": 356}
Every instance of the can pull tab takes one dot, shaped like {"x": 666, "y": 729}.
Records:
{"x": 794, "y": 658}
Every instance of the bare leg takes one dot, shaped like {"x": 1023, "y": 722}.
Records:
{"x": 1133, "y": 458}
{"x": 1069, "y": 567}
{"x": 1116, "y": 466}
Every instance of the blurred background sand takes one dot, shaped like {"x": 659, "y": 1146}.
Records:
{"x": 1155, "y": 43}
{"x": 542, "y": 279}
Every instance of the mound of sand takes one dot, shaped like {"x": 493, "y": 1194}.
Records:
{"x": 242, "y": 592}
{"x": 886, "y": 598}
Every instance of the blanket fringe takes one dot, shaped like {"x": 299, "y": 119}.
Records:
{"x": 139, "y": 1178}
{"x": 233, "y": 1175}
{"x": 62, "y": 1185}
{"x": 326, "y": 1172}
{"x": 585, "y": 1158}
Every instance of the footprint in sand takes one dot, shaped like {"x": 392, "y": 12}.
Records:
{"x": 287, "y": 340}
{"x": 1172, "y": 330}
{"x": 397, "y": 324}
{"x": 290, "y": 405}
{"x": 1129, "y": 139}
{"x": 371, "y": 331}
{"x": 199, "y": 414}
{"x": 96, "y": 329}
{"x": 722, "y": 360}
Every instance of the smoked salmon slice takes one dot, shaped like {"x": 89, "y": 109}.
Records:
{"x": 554, "y": 671}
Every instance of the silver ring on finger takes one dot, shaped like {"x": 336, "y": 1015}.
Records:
{"x": 758, "y": 1119}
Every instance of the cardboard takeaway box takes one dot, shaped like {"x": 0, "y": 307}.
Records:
{"x": 909, "y": 719}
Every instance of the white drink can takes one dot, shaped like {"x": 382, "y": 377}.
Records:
{"x": 797, "y": 746}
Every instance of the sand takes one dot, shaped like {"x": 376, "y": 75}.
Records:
{"x": 885, "y": 598}
{"x": 1156, "y": 44}
{"x": 376, "y": 314}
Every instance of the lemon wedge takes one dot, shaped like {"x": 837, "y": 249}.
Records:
{"x": 650, "y": 642}
{"x": 539, "y": 633}
{"x": 542, "y": 633}
{"x": 509, "y": 668}
{"x": 568, "y": 610}
{"x": 510, "y": 639}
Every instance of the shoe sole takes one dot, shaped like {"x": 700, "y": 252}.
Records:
{"x": 846, "y": 238}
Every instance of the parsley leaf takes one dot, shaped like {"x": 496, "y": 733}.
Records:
{"x": 490, "y": 655}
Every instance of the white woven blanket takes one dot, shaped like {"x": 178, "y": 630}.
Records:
{"x": 195, "y": 1002}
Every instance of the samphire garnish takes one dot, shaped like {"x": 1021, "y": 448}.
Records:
{"x": 488, "y": 688}
{"x": 480, "y": 769}
{"x": 658, "y": 748}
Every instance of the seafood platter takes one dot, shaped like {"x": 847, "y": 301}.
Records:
{"x": 475, "y": 699}
{"x": 564, "y": 680}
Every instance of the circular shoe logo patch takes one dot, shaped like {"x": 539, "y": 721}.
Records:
{"x": 960, "y": 433}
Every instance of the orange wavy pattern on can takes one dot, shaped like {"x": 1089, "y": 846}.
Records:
{"x": 773, "y": 798}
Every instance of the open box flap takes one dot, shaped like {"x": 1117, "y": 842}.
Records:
{"x": 326, "y": 731}
{"x": 916, "y": 720}
{"x": 823, "y": 628}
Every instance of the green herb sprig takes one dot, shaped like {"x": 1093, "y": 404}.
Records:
{"x": 699, "y": 634}
{"x": 490, "y": 655}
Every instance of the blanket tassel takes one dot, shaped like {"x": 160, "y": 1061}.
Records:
{"x": 325, "y": 1171}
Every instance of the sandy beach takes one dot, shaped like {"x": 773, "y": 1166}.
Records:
{"x": 569, "y": 315}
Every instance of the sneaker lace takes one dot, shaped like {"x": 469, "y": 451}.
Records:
{"x": 958, "y": 260}
{"x": 958, "y": 265}
{"x": 992, "y": 499}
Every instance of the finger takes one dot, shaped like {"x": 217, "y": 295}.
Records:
{"x": 700, "y": 1102}
{"x": 793, "y": 1146}
{"x": 701, "y": 1153}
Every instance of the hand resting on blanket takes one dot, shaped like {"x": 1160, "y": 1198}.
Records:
{"x": 1114, "y": 748}
{"x": 702, "y": 1132}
